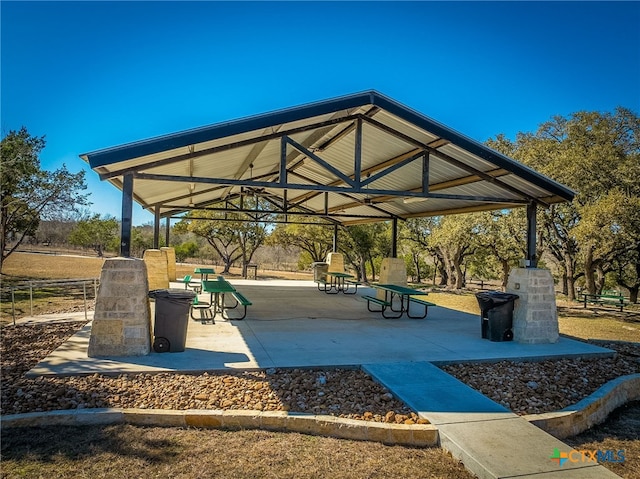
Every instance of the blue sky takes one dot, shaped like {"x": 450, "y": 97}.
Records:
{"x": 90, "y": 75}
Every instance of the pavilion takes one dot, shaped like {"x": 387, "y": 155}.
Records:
{"x": 357, "y": 158}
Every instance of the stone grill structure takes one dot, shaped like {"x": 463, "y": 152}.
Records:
{"x": 122, "y": 319}
{"x": 535, "y": 318}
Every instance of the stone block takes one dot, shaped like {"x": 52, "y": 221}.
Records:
{"x": 122, "y": 319}
{"x": 401, "y": 434}
{"x": 239, "y": 419}
{"x": 203, "y": 418}
{"x": 351, "y": 429}
{"x": 274, "y": 420}
{"x": 155, "y": 417}
{"x": 335, "y": 262}
{"x": 392, "y": 271}
{"x": 379, "y": 432}
{"x": 425, "y": 436}
{"x": 535, "y": 317}
{"x": 170, "y": 254}
{"x": 304, "y": 424}
{"x": 157, "y": 269}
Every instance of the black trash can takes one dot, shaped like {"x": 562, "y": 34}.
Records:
{"x": 496, "y": 315}
{"x": 171, "y": 319}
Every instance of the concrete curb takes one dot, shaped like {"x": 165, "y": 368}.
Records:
{"x": 416, "y": 435}
{"x": 591, "y": 411}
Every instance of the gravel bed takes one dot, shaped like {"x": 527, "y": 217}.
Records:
{"x": 546, "y": 386}
{"x": 523, "y": 387}
{"x": 341, "y": 392}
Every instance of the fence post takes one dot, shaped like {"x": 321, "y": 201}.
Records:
{"x": 31, "y": 298}
{"x": 84, "y": 293}
{"x": 13, "y": 305}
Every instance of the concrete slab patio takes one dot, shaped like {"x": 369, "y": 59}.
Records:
{"x": 292, "y": 324}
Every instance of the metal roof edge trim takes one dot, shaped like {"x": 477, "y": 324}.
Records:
{"x": 472, "y": 146}
{"x": 215, "y": 131}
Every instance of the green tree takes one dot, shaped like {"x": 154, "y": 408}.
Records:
{"x": 455, "y": 238}
{"x": 97, "y": 233}
{"x": 186, "y": 250}
{"x": 417, "y": 233}
{"x": 360, "y": 244}
{"x": 233, "y": 235}
{"x": 503, "y": 234}
{"x": 593, "y": 153}
{"x": 315, "y": 240}
{"x": 29, "y": 194}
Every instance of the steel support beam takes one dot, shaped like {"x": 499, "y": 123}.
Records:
{"x": 156, "y": 227}
{"x": 127, "y": 215}
{"x": 394, "y": 238}
{"x": 532, "y": 261}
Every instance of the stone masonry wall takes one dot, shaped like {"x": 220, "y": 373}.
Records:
{"x": 535, "y": 318}
{"x": 122, "y": 320}
{"x": 392, "y": 271}
{"x": 157, "y": 269}
{"x": 336, "y": 262}
{"x": 171, "y": 261}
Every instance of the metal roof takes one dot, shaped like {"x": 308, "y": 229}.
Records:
{"x": 358, "y": 158}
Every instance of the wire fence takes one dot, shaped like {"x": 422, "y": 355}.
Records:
{"x": 65, "y": 287}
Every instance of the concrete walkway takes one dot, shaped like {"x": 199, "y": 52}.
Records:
{"x": 490, "y": 440}
{"x": 292, "y": 324}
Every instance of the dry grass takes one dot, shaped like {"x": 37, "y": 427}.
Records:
{"x": 129, "y": 451}
{"x": 32, "y": 266}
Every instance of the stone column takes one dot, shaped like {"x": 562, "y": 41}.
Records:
{"x": 535, "y": 318}
{"x": 336, "y": 262}
{"x": 157, "y": 269}
{"x": 171, "y": 261}
{"x": 122, "y": 320}
{"x": 392, "y": 271}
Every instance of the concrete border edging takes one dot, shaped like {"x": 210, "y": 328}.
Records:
{"x": 592, "y": 410}
{"x": 567, "y": 422}
{"x": 417, "y": 435}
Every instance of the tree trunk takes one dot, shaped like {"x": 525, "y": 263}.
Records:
{"x": 505, "y": 272}
{"x": 589, "y": 272}
{"x": 565, "y": 283}
{"x": 571, "y": 289}
{"x": 363, "y": 269}
{"x": 459, "y": 277}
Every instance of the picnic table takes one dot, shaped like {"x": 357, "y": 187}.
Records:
{"x": 336, "y": 283}
{"x": 204, "y": 273}
{"x": 217, "y": 290}
{"x": 406, "y": 296}
{"x": 614, "y": 299}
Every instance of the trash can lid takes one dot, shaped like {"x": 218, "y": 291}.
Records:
{"x": 319, "y": 263}
{"x": 172, "y": 293}
{"x": 495, "y": 298}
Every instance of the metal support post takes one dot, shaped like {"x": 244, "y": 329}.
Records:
{"x": 127, "y": 215}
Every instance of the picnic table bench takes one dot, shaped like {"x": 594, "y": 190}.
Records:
{"x": 217, "y": 290}
{"x": 406, "y": 295}
{"x": 614, "y": 299}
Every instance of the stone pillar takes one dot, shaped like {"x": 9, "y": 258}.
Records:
{"x": 122, "y": 319}
{"x": 535, "y": 318}
{"x": 392, "y": 271}
{"x": 157, "y": 270}
{"x": 336, "y": 262}
{"x": 171, "y": 261}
